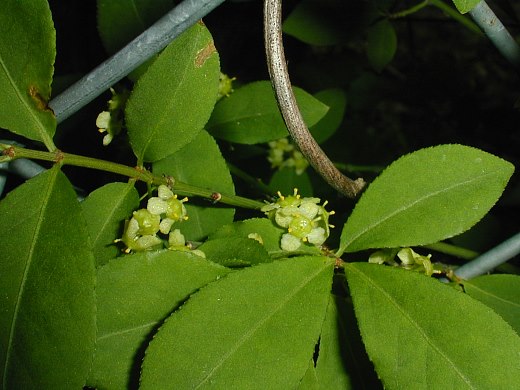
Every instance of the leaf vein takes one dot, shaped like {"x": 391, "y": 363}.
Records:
{"x": 416, "y": 325}
{"x": 127, "y": 330}
{"x": 494, "y": 296}
{"x": 247, "y": 335}
{"x": 410, "y": 205}
{"x": 30, "y": 256}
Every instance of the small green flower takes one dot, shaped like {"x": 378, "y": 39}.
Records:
{"x": 277, "y": 151}
{"x": 309, "y": 207}
{"x": 409, "y": 260}
{"x": 160, "y": 214}
{"x": 383, "y": 256}
{"x": 289, "y": 242}
{"x": 283, "y": 154}
{"x": 283, "y": 216}
{"x": 147, "y": 222}
{"x": 140, "y": 232}
{"x": 166, "y": 204}
{"x": 111, "y": 121}
{"x": 304, "y": 218}
{"x": 317, "y": 236}
{"x": 300, "y": 226}
{"x": 105, "y": 125}
{"x": 225, "y": 86}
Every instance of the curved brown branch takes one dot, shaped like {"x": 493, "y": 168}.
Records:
{"x": 289, "y": 108}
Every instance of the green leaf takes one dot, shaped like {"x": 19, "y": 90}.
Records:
{"x": 250, "y": 115}
{"x": 286, "y": 180}
{"x": 47, "y": 326}
{"x": 317, "y": 23}
{"x": 309, "y": 380}
{"x": 235, "y": 251}
{"x": 253, "y": 328}
{"x": 264, "y": 229}
{"x": 481, "y": 237}
{"x": 173, "y": 100}
{"x": 421, "y": 333}
{"x": 120, "y": 21}
{"x": 200, "y": 163}
{"x": 134, "y": 295}
{"x": 336, "y": 99}
{"x": 342, "y": 357}
{"x": 425, "y": 197}
{"x": 499, "y": 292}
{"x": 105, "y": 211}
{"x": 331, "y": 370}
{"x": 381, "y": 44}
{"x": 27, "y": 51}
{"x": 464, "y": 6}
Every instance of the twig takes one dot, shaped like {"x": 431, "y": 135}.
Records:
{"x": 289, "y": 108}
{"x": 455, "y": 15}
{"x": 11, "y": 152}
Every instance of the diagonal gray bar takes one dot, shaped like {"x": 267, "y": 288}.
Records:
{"x": 131, "y": 56}
{"x": 491, "y": 259}
{"x": 496, "y": 32}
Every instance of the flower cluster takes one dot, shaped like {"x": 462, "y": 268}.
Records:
{"x": 141, "y": 231}
{"x": 409, "y": 259}
{"x": 111, "y": 121}
{"x": 283, "y": 154}
{"x": 304, "y": 218}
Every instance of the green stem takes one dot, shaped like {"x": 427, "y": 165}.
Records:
{"x": 359, "y": 168}
{"x": 11, "y": 152}
{"x": 452, "y": 250}
{"x": 256, "y": 183}
{"x": 409, "y": 11}
{"x": 453, "y": 13}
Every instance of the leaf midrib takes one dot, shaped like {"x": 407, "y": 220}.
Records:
{"x": 272, "y": 112}
{"x": 109, "y": 215}
{"x": 127, "y": 330}
{"x": 138, "y": 15}
{"x": 247, "y": 335}
{"x": 152, "y": 134}
{"x": 414, "y": 323}
{"x": 38, "y": 225}
{"x": 410, "y": 205}
{"x": 492, "y": 295}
